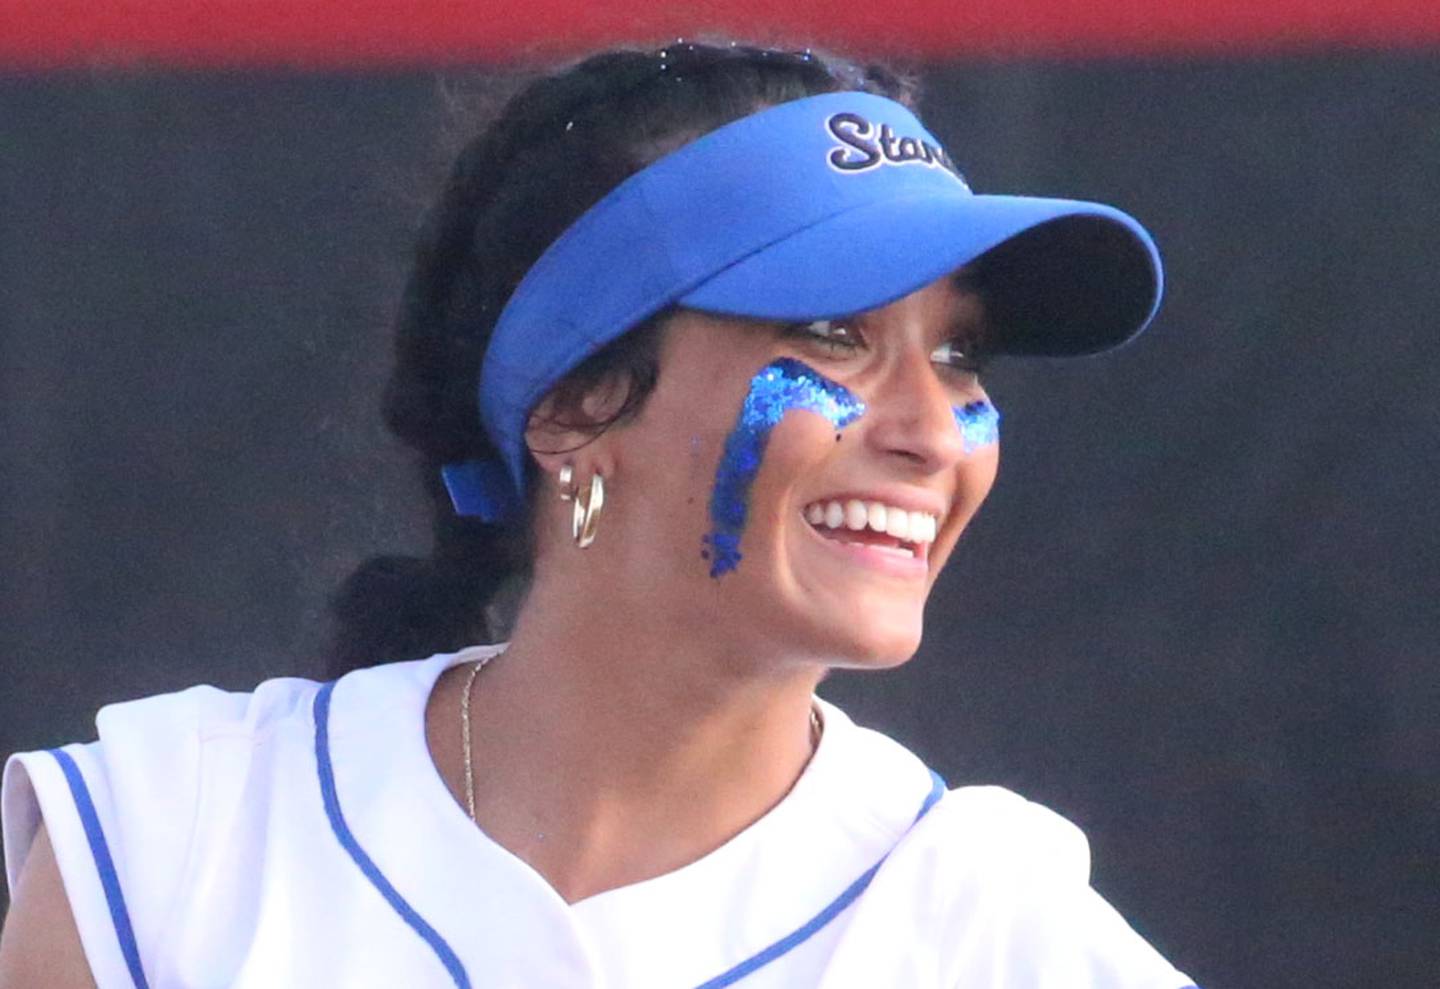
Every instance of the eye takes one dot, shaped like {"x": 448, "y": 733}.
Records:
{"x": 837, "y": 338}
{"x": 960, "y": 354}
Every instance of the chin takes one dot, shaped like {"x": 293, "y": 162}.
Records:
{"x": 876, "y": 644}
{"x": 831, "y": 611}
{"x": 846, "y": 626}
{"x": 858, "y": 631}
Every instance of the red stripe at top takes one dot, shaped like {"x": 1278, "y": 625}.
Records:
{"x": 323, "y": 34}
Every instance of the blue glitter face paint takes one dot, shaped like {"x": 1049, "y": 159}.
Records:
{"x": 777, "y": 388}
{"x": 979, "y": 424}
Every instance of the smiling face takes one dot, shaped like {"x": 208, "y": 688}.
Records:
{"x": 847, "y": 519}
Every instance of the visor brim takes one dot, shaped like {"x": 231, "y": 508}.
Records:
{"x": 1059, "y": 277}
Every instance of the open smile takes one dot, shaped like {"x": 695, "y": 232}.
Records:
{"x": 890, "y": 539}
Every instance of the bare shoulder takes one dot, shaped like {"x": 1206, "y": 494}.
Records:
{"x": 40, "y": 944}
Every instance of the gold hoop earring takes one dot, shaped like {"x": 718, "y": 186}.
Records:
{"x": 585, "y": 518}
{"x": 566, "y": 480}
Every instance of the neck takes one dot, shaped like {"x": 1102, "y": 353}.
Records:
{"x": 609, "y": 748}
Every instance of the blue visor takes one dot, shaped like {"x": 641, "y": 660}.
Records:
{"x": 813, "y": 209}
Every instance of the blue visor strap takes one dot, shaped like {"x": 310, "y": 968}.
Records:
{"x": 482, "y": 488}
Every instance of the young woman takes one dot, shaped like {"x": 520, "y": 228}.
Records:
{"x": 690, "y": 354}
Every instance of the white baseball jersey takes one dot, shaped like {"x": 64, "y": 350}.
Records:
{"x": 300, "y": 835}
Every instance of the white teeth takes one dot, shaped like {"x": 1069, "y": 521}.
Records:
{"x": 855, "y": 515}
{"x": 919, "y": 527}
{"x": 897, "y": 524}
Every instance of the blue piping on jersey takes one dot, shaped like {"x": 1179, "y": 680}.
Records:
{"x": 447, "y": 955}
{"x": 104, "y": 865}
{"x": 428, "y": 934}
{"x": 836, "y": 907}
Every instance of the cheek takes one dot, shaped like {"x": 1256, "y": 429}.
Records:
{"x": 975, "y": 477}
{"x": 979, "y": 424}
{"x": 779, "y": 388}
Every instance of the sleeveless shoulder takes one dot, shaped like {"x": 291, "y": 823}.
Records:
{"x": 991, "y": 890}
{"x": 1011, "y": 836}
{"x": 123, "y": 811}
{"x": 148, "y": 725}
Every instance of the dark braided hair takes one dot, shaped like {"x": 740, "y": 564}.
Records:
{"x": 558, "y": 147}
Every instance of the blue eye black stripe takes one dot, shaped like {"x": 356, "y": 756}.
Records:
{"x": 777, "y": 388}
{"x": 979, "y": 424}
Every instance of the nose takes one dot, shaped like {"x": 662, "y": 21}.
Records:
{"x": 912, "y": 415}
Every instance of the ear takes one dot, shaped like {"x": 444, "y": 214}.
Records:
{"x": 566, "y": 428}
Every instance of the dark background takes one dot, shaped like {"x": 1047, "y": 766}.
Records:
{"x": 1197, "y": 617}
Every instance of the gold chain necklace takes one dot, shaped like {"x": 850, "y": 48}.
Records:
{"x": 817, "y": 728}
